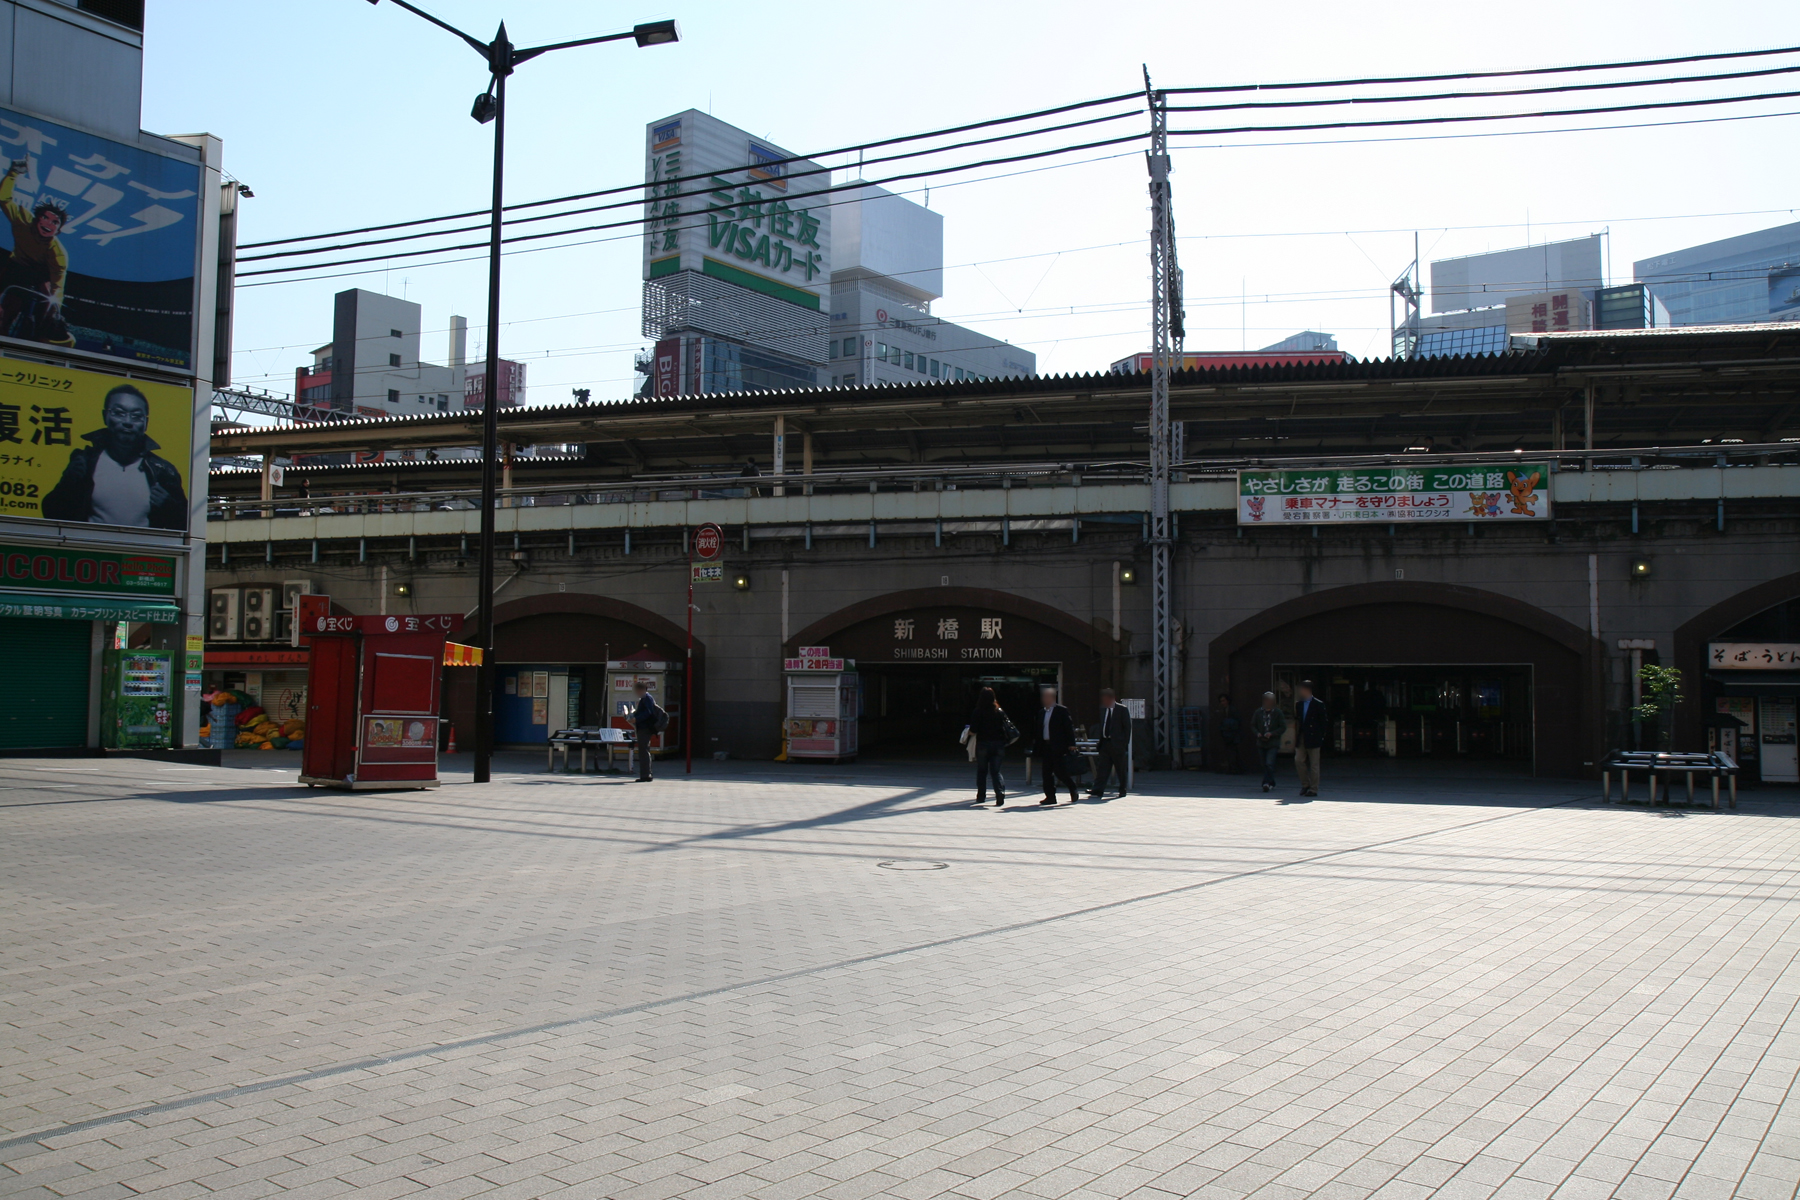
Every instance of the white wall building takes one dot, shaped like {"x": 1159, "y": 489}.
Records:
{"x": 887, "y": 258}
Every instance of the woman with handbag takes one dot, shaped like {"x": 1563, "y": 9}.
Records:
{"x": 989, "y": 731}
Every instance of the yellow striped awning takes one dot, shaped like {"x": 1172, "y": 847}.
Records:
{"x": 458, "y": 655}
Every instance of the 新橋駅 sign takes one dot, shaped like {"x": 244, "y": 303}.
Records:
{"x": 1482, "y": 492}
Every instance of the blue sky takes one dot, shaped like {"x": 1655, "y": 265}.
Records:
{"x": 341, "y": 114}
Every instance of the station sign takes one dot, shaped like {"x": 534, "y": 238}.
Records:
{"x": 1345, "y": 495}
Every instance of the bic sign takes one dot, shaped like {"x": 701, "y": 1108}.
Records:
{"x": 709, "y": 542}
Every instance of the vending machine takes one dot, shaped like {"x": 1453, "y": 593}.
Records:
{"x": 664, "y": 678}
{"x": 824, "y": 709}
{"x": 136, "y": 705}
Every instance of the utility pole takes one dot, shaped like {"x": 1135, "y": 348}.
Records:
{"x": 1404, "y": 336}
{"x": 1166, "y": 336}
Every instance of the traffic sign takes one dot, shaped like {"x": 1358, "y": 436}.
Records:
{"x": 709, "y": 542}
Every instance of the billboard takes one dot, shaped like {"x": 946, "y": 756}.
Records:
{"x": 1478, "y": 492}
{"x": 749, "y": 218}
{"x": 103, "y": 241}
{"x": 85, "y": 447}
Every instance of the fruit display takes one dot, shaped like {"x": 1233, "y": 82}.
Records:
{"x": 255, "y": 728}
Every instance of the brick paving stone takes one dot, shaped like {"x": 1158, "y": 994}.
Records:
{"x": 1423, "y": 984}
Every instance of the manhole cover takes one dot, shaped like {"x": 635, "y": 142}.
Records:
{"x": 911, "y": 864}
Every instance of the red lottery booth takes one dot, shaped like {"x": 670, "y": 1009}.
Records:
{"x": 372, "y": 692}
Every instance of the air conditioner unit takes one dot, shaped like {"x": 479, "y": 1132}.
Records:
{"x": 222, "y": 614}
{"x": 290, "y": 588}
{"x": 284, "y": 627}
{"x": 257, "y": 623}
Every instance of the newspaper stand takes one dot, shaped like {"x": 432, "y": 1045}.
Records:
{"x": 372, "y": 693}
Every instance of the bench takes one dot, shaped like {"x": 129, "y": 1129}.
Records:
{"x": 1714, "y": 764}
{"x": 595, "y": 736}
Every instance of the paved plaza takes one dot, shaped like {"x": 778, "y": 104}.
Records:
{"x": 778, "y": 981}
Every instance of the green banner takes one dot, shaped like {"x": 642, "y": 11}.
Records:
{"x": 1479, "y": 492}
{"x": 74, "y": 569}
{"x": 83, "y": 608}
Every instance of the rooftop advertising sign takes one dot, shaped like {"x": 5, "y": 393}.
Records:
{"x": 723, "y": 203}
{"x": 104, "y": 238}
{"x": 81, "y": 446}
{"x": 1482, "y": 492}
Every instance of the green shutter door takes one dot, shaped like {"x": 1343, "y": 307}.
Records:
{"x": 43, "y": 682}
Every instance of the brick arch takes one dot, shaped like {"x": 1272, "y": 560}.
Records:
{"x": 459, "y": 689}
{"x": 1566, "y": 740}
{"x": 820, "y": 631}
{"x": 1693, "y": 634}
{"x": 588, "y": 604}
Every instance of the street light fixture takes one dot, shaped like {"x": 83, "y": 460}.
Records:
{"x": 502, "y": 57}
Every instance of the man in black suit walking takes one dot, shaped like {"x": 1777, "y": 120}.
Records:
{"x": 1114, "y": 746}
{"x": 643, "y": 719}
{"x": 1309, "y": 737}
{"x": 1054, "y": 731}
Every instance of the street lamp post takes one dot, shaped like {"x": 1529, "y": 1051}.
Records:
{"x": 502, "y": 57}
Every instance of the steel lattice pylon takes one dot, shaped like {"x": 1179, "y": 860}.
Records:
{"x": 1166, "y": 335}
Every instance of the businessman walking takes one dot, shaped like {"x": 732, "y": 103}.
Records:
{"x": 1309, "y": 737}
{"x": 1113, "y": 749}
{"x": 1055, "y": 741}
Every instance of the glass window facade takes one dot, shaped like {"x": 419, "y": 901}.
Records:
{"x": 1727, "y": 282}
{"x": 728, "y": 367}
{"x": 1451, "y": 343}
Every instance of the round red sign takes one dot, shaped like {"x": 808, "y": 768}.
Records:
{"x": 709, "y": 542}
{"x": 881, "y": 316}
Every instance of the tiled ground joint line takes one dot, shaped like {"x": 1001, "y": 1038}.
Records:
{"x": 364, "y": 1064}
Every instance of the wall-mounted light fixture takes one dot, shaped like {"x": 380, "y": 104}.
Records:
{"x": 1640, "y": 568}
{"x": 741, "y": 582}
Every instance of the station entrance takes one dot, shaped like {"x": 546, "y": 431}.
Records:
{"x": 1442, "y": 712}
{"x": 924, "y": 655}
{"x": 1425, "y": 672}
{"x": 918, "y": 710}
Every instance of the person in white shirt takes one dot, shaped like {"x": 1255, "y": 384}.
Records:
{"x": 118, "y": 479}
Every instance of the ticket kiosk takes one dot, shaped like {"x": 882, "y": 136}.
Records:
{"x": 824, "y": 705}
{"x": 372, "y": 700}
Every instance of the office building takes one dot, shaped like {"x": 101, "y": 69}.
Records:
{"x": 374, "y": 365}
{"x": 887, "y": 258}
{"x": 1740, "y": 280}
{"x": 756, "y": 279}
{"x": 1479, "y": 300}
{"x": 115, "y": 334}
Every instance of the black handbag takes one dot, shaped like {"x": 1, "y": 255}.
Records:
{"x": 1075, "y": 764}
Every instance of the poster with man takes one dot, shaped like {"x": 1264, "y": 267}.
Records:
{"x": 84, "y": 447}
{"x": 99, "y": 247}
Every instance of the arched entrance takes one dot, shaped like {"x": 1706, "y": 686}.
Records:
{"x": 923, "y": 654}
{"x": 1427, "y": 670}
{"x": 1756, "y": 681}
{"x": 568, "y": 638}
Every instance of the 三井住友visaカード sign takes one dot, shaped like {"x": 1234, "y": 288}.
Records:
{"x": 1504, "y": 492}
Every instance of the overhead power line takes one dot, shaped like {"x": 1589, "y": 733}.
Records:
{"x": 1614, "y": 84}
{"x": 1556, "y": 112}
{"x": 1455, "y": 75}
{"x": 711, "y": 175}
{"x": 632, "y": 187}
{"x": 638, "y": 221}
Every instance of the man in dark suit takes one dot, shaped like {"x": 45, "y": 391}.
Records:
{"x": 643, "y": 719}
{"x": 1054, "y": 734}
{"x": 1114, "y": 746}
{"x": 1309, "y": 737}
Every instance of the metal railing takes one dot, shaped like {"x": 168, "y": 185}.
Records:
{"x": 698, "y": 485}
